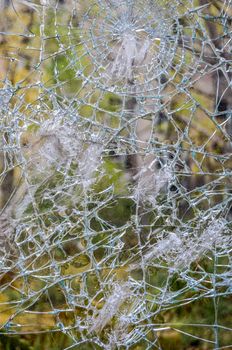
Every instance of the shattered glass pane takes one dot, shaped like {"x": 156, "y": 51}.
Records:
{"x": 115, "y": 193}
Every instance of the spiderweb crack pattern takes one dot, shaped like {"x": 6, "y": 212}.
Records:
{"x": 115, "y": 223}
